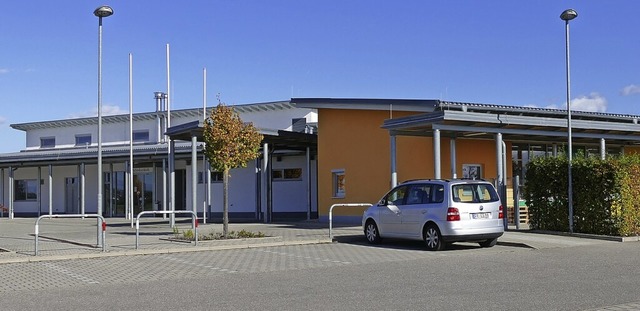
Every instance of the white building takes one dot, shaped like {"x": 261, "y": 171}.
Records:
{"x": 56, "y": 173}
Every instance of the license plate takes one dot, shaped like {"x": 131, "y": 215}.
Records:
{"x": 480, "y": 215}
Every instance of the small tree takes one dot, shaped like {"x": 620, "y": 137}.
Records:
{"x": 229, "y": 143}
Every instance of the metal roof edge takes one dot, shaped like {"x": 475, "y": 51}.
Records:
{"x": 425, "y": 105}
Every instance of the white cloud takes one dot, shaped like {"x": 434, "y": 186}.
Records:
{"x": 630, "y": 89}
{"x": 107, "y": 110}
{"x": 4, "y": 70}
{"x": 594, "y": 102}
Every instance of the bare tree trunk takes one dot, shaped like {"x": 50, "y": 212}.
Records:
{"x": 225, "y": 202}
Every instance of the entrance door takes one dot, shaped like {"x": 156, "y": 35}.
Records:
{"x": 114, "y": 194}
{"x": 143, "y": 185}
{"x": 72, "y": 197}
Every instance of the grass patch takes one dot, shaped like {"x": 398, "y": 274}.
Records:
{"x": 188, "y": 235}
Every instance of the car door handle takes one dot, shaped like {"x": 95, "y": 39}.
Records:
{"x": 424, "y": 211}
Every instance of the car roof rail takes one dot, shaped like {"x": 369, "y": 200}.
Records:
{"x": 425, "y": 179}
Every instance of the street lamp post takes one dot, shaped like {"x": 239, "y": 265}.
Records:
{"x": 566, "y": 16}
{"x": 100, "y": 12}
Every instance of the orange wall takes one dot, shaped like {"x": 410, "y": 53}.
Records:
{"x": 354, "y": 141}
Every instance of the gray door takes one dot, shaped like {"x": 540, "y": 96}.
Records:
{"x": 72, "y": 196}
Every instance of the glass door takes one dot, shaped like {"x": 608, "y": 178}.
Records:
{"x": 114, "y": 194}
{"x": 143, "y": 185}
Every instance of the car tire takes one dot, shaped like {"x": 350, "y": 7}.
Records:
{"x": 433, "y": 238}
{"x": 371, "y": 232}
{"x": 489, "y": 243}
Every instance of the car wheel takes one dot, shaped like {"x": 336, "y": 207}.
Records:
{"x": 433, "y": 239}
{"x": 371, "y": 232}
{"x": 489, "y": 243}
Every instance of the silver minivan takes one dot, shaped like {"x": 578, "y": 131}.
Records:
{"x": 439, "y": 212}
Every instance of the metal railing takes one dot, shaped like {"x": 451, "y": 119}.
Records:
{"x": 194, "y": 224}
{"x": 346, "y": 205}
{"x": 104, "y": 226}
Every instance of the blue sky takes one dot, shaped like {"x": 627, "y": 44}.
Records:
{"x": 499, "y": 52}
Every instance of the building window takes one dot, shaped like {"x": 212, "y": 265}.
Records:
{"x": 215, "y": 177}
{"x": 286, "y": 174}
{"x": 141, "y": 136}
{"x": 83, "y": 140}
{"x": 47, "y": 142}
{"x": 471, "y": 171}
{"x": 338, "y": 178}
{"x": 26, "y": 190}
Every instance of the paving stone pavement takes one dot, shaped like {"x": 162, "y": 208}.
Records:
{"x": 69, "y": 238}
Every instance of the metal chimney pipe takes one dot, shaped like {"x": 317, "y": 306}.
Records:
{"x": 158, "y": 97}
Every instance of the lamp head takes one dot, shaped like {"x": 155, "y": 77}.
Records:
{"x": 568, "y": 15}
{"x": 103, "y": 11}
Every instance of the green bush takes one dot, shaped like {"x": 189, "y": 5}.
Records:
{"x": 605, "y": 194}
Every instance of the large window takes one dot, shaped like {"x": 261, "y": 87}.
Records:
{"x": 215, "y": 177}
{"x": 141, "y": 136}
{"x": 47, "y": 142}
{"x": 286, "y": 174}
{"x": 83, "y": 140}
{"x": 338, "y": 178}
{"x": 26, "y": 190}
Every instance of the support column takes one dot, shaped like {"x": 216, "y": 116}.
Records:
{"x": 452, "y": 150}
{"x": 500, "y": 185}
{"x": 82, "y": 189}
{"x": 264, "y": 182}
{"x": 39, "y": 191}
{"x": 394, "y": 168}
{"x": 50, "y": 189}
{"x": 2, "y": 185}
{"x": 208, "y": 170}
{"x": 11, "y": 193}
{"x": 436, "y": 154}
{"x": 164, "y": 187}
{"x": 308, "y": 183}
{"x": 172, "y": 180}
{"x": 603, "y": 149}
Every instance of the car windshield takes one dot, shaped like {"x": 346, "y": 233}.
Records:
{"x": 474, "y": 193}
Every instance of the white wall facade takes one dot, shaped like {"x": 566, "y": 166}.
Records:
{"x": 288, "y": 196}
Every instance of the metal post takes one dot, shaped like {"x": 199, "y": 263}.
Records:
{"x": 516, "y": 200}
{"x": 603, "y": 149}
{"x": 568, "y": 15}
{"x": 130, "y": 166}
{"x": 194, "y": 173}
{"x": 100, "y": 12}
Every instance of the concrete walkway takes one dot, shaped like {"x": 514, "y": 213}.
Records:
{"x": 66, "y": 238}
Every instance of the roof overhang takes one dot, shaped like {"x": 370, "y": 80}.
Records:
{"x": 514, "y": 127}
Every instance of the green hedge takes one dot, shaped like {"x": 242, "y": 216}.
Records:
{"x": 606, "y": 194}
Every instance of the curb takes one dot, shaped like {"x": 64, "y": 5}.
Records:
{"x": 584, "y": 235}
{"x": 141, "y": 252}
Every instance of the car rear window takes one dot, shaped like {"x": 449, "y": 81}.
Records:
{"x": 474, "y": 193}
